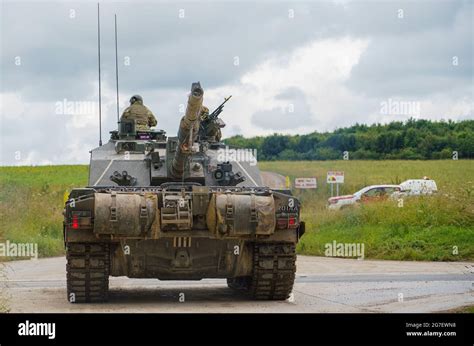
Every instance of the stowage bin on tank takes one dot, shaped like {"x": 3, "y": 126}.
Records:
{"x": 170, "y": 208}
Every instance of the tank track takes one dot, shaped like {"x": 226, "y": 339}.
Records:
{"x": 274, "y": 268}
{"x": 241, "y": 283}
{"x": 88, "y": 267}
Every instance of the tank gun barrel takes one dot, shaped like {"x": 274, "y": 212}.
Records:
{"x": 188, "y": 130}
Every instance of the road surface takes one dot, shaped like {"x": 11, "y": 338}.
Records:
{"x": 322, "y": 285}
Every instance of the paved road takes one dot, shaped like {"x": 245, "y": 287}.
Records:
{"x": 322, "y": 285}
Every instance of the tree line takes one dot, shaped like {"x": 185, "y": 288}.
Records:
{"x": 414, "y": 139}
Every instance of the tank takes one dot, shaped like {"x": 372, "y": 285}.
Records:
{"x": 174, "y": 208}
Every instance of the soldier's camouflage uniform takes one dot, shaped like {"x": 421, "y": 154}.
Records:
{"x": 143, "y": 117}
{"x": 211, "y": 128}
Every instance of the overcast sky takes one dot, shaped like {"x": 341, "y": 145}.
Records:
{"x": 292, "y": 67}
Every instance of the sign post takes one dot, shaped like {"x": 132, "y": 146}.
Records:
{"x": 306, "y": 183}
{"x": 335, "y": 177}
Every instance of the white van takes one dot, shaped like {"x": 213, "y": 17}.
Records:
{"x": 419, "y": 187}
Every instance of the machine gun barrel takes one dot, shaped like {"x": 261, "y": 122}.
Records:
{"x": 219, "y": 109}
{"x": 188, "y": 130}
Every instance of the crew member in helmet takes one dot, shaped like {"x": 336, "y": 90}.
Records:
{"x": 211, "y": 129}
{"x": 144, "y": 118}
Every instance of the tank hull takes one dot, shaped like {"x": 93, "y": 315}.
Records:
{"x": 148, "y": 234}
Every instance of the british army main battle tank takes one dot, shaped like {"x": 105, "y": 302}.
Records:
{"x": 169, "y": 208}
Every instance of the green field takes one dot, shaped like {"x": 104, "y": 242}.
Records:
{"x": 31, "y": 203}
{"x": 426, "y": 228}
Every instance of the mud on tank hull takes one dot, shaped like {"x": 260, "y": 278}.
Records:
{"x": 246, "y": 235}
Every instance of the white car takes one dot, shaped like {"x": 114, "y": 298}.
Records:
{"x": 370, "y": 193}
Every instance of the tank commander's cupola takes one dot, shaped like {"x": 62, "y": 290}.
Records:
{"x": 128, "y": 130}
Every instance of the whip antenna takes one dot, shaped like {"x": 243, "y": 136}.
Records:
{"x": 100, "y": 95}
{"x": 116, "y": 70}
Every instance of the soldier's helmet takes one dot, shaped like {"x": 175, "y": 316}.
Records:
{"x": 204, "y": 112}
{"x": 136, "y": 98}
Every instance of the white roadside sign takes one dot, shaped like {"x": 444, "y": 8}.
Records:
{"x": 306, "y": 183}
{"x": 335, "y": 177}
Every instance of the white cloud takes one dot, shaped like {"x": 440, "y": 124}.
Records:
{"x": 318, "y": 69}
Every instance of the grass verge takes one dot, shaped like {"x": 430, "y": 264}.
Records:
{"x": 435, "y": 228}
